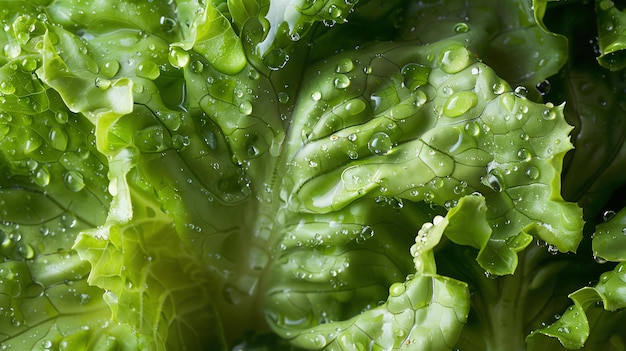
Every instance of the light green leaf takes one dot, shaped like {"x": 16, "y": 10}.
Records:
{"x": 210, "y": 34}
{"x": 609, "y": 239}
{"x": 380, "y": 128}
{"x": 611, "y": 23}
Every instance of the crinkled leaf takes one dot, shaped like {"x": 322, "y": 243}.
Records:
{"x": 611, "y": 24}
{"x": 46, "y": 303}
{"x": 423, "y": 312}
{"x": 287, "y": 21}
{"x": 153, "y": 282}
{"x": 609, "y": 239}
{"x": 394, "y": 122}
{"x": 507, "y": 35}
{"x": 573, "y": 327}
{"x": 210, "y": 33}
{"x": 594, "y": 106}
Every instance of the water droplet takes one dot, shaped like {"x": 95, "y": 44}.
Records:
{"x": 32, "y": 143}
{"x": 74, "y": 181}
{"x": 46, "y": 344}
{"x": 458, "y": 104}
{"x": 380, "y": 143}
{"x": 167, "y": 24}
{"x": 252, "y": 150}
{"x": 454, "y": 58}
{"x": 366, "y": 233}
{"x": 148, "y": 70}
{"x": 532, "y": 172}
{"x": 352, "y": 137}
{"x": 334, "y": 12}
{"x": 12, "y": 50}
{"x": 276, "y": 59}
{"x": 415, "y": 75}
{"x": 29, "y": 64}
{"x": 523, "y": 155}
{"x": 420, "y": 98}
{"x": 498, "y": 88}
{"x": 521, "y": 92}
{"x": 472, "y": 129}
{"x": 102, "y": 83}
{"x": 344, "y": 66}
{"x": 608, "y": 215}
{"x": 283, "y": 97}
{"x": 61, "y": 117}
{"x": 7, "y": 88}
{"x": 543, "y": 87}
{"x": 461, "y": 27}
{"x": 178, "y": 57}
{"x": 548, "y": 114}
{"x": 253, "y": 74}
{"x": 245, "y": 107}
{"x": 110, "y": 68}
{"x": 316, "y": 96}
{"x": 58, "y": 138}
{"x": 397, "y": 289}
{"x": 494, "y": 178}
{"x": 26, "y": 251}
{"x": 197, "y": 66}
{"x": 341, "y": 81}
{"x": 67, "y": 221}
{"x": 42, "y": 176}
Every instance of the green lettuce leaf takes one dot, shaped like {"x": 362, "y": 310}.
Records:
{"x": 194, "y": 174}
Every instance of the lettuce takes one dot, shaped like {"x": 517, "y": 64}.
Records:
{"x": 312, "y": 175}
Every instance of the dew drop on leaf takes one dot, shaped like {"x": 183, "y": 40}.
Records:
{"x": 472, "y": 129}
{"x": 42, "y": 176}
{"x": 148, "y": 69}
{"x": 58, "y": 138}
{"x": 461, "y": 27}
{"x": 197, "y": 67}
{"x": 178, "y": 57}
{"x": 61, "y": 117}
{"x": 380, "y": 143}
{"x": 283, "y": 97}
{"x": 341, "y": 81}
{"x": 102, "y": 83}
{"x": 12, "y": 50}
{"x": 245, "y": 107}
{"x": 397, "y": 289}
{"x": 458, "y": 104}
{"x": 498, "y": 88}
{"x": 110, "y": 68}
{"x": 523, "y": 155}
{"x": 74, "y": 181}
{"x": 532, "y": 172}
{"x": 420, "y": 98}
{"x": 548, "y": 114}
{"x": 7, "y": 88}
{"x": 454, "y": 58}
{"x": 494, "y": 179}
{"x": 167, "y": 24}
{"x": 521, "y": 92}
{"x": 414, "y": 75}
{"x": 26, "y": 251}
{"x": 316, "y": 96}
{"x": 29, "y": 64}
{"x": 608, "y": 215}
{"x": 344, "y": 66}
{"x": 334, "y": 12}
